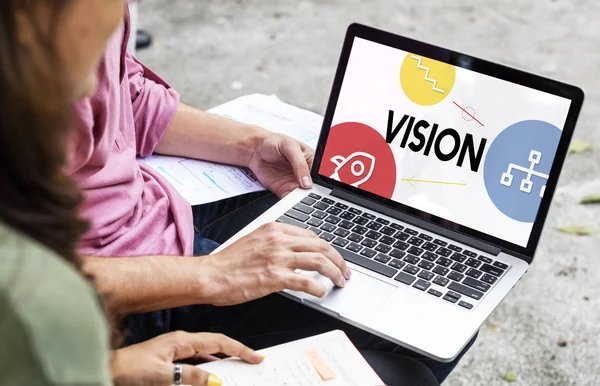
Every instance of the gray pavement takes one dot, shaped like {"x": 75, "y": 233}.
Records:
{"x": 213, "y": 51}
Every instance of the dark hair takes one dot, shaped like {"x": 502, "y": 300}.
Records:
{"x": 36, "y": 107}
{"x": 36, "y": 197}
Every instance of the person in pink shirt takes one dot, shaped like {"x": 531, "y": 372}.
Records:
{"x": 149, "y": 249}
{"x": 135, "y": 213}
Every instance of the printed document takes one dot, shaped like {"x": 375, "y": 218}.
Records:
{"x": 329, "y": 359}
{"x": 201, "y": 182}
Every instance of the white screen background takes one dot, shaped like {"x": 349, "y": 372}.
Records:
{"x": 371, "y": 87}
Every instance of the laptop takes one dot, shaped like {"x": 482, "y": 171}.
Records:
{"x": 433, "y": 176}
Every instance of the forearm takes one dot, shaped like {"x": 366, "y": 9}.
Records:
{"x": 197, "y": 134}
{"x": 150, "y": 283}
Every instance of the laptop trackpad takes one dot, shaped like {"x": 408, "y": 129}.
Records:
{"x": 362, "y": 295}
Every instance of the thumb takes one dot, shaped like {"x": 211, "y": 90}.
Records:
{"x": 292, "y": 150}
{"x": 194, "y": 376}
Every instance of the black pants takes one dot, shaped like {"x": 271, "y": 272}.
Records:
{"x": 274, "y": 319}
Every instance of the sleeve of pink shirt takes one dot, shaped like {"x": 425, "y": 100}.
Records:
{"x": 154, "y": 105}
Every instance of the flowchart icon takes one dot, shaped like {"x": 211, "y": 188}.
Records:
{"x": 517, "y": 167}
{"x": 526, "y": 186}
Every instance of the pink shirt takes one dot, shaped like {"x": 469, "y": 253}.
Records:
{"x": 133, "y": 211}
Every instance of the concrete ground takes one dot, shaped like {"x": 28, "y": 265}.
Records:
{"x": 213, "y": 51}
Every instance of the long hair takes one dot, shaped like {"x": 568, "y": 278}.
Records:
{"x": 36, "y": 111}
{"x": 36, "y": 107}
{"x": 36, "y": 197}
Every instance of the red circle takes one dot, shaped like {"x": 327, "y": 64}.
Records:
{"x": 357, "y": 140}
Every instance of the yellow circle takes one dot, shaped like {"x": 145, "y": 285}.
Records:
{"x": 425, "y": 81}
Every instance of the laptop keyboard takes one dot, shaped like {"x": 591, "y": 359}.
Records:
{"x": 399, "y": 252}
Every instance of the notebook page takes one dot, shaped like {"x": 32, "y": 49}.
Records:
{"x": 293, "y": 364}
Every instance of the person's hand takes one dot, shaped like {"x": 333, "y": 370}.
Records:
{"x": 152, "y": 363}
{"x": 282, "y": 164}
{"x": 265, "y": 261}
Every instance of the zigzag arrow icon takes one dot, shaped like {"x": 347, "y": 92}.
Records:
{"x": 427, "y": 78}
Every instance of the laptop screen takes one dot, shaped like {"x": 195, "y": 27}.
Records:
{"x": 457, "y": 144}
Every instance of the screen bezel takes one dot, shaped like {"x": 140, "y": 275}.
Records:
{"x": 505, "y": 73}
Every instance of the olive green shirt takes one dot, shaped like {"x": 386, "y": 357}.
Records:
{"x": 52, "y": 329}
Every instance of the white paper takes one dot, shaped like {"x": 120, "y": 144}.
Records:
{"x": 201, "y": 182}
{"x": 288, "y": 365}
{"x": 272, "y": 114}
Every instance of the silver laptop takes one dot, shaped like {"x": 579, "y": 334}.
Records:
{"x": 433, "y": 177}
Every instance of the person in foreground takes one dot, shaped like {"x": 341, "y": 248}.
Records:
{"x": 148, "y": 248}
{"x": 52, "y": 327}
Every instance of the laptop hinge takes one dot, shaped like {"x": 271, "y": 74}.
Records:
{"x": 434, "y": 228}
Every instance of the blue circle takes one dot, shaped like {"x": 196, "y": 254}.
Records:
{"x": 529, "y": 146}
